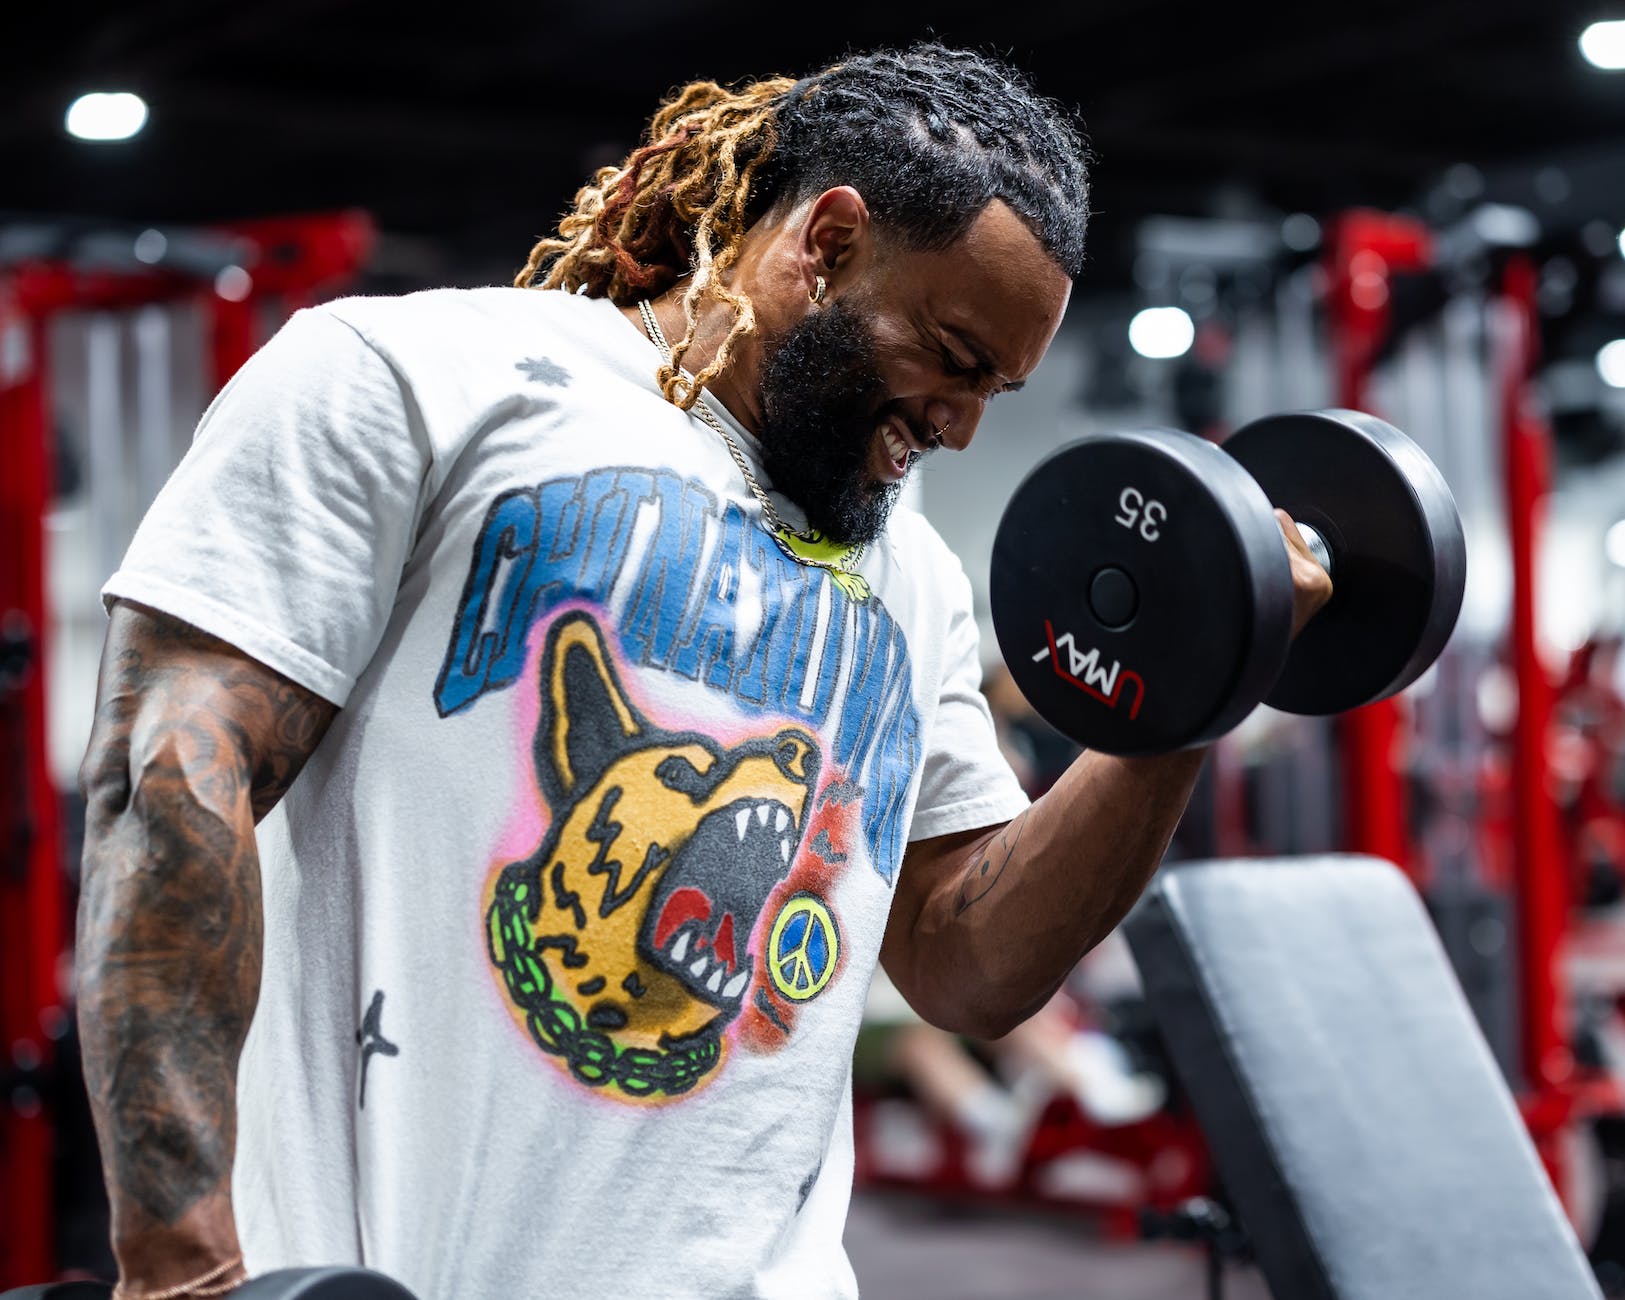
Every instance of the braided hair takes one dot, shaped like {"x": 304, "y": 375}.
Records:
{"x": 929, "y": 136}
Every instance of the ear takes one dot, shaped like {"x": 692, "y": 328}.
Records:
{"x": 834, "y": 236}
{"x": 587, "y": 721}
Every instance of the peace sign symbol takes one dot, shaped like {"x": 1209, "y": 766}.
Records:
{"x": 802, "y": 948}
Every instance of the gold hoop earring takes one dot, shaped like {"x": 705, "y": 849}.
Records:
{"x": 817, "y": 295}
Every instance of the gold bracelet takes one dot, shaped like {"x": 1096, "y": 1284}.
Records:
{"x": 221, "y": 1288}
{"x": 197, "y": 1286}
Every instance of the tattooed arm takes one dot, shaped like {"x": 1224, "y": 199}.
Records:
{"x": 986, "y": 924}
{"x": 192, "y": 744}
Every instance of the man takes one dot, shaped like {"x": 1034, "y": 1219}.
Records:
{"x": 548, "y": 668}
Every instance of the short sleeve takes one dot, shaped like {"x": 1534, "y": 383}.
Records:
{"x": 967, "y": 782}
{"x": 286, "y": 525}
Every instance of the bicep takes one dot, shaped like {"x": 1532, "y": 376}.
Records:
{"x": 941, "y": 876}
{"x": 171, "y": 698}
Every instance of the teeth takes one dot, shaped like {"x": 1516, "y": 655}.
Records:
{"x": 762, "y": 810}
{"x": 679, "y": 950}
{"x": 736, "y": 985}
{"x": 698, "y": 968}
{"x": 781, "y": 819}
{"x": 784, "y": 848}
{"x": 742, "y": 820}
{"x": 895, "y": 446}
{"x": 715, "y": 982}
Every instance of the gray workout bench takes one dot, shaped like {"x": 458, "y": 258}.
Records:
{"x": 1363, "y": 1132}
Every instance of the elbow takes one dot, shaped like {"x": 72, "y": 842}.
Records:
{"x": 991, "y": 1023}
{"x": 977, "y": 1008}
{"x": 104, "y": 782}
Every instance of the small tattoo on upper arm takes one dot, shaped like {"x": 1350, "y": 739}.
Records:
{"x": 988, "y": 865}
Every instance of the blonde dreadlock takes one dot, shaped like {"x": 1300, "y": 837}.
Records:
{"x": 677, "y": 204}
{"x": 928, "y": 135}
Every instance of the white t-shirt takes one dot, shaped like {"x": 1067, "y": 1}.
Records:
{"x": 571, "y": 916}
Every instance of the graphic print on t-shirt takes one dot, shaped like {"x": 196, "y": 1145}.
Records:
{"x": 666, "y": 896}
{"x": 677, "y": 563}
{"x": 625, "y": 938}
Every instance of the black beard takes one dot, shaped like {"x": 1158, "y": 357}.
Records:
{"x": 822, "y": 395}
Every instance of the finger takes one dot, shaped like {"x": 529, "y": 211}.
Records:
{"x": 1289, "y": 530}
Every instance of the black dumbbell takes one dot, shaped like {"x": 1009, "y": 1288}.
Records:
{"x": 282, "y": 1284}
{"x": 1141, "y": 592}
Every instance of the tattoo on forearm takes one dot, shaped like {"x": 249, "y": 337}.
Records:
{"x": 299, "y": 720}
{"x": 190, "y": 747}
{"x": 988, "y": 865}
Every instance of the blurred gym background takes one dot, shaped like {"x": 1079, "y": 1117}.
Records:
{"x": 1413, "y": 209}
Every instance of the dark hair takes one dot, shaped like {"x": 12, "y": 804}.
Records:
{"x": 929, "y": 135}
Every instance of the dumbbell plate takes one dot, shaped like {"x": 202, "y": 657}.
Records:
{"x": 1140, "y": 591}
{"x": 337, "y": 1283}
{"x": 1399, "y": 559}
{"x": 340, "y": 1283}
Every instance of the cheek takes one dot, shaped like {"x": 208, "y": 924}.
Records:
{"x": 905, "y": 372}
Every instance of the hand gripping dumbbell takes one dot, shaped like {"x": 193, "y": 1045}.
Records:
{"x": 282, "y": 1284}
{"x": 1141, "y": 590}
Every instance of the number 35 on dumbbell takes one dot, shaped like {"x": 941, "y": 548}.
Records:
{"x": 1141, "y": 590}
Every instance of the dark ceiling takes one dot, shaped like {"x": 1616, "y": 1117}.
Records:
{"x": 465, "y": 127}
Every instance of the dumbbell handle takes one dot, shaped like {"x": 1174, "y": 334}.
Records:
{"x": 1317, "y": 545}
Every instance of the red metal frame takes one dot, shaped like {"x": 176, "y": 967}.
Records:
{"x": 1557, "y": 1092}
{"x": 32, "y": 914}
{"x": 1522, "y": 833}
{"x": 1364, "y": 249}
{"x": 301, "y": 259}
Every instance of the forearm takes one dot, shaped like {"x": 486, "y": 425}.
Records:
{"x": 168, "y": 967}
{"x": 192, "y": 744}
{"x": 995, "y": 938}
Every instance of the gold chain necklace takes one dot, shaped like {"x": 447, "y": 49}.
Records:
{"x": 846, "y": 559}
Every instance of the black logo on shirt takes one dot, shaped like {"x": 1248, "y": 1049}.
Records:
{"x": 371, "y": 1038}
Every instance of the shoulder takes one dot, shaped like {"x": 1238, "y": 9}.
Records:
{"x": 917, "y": 575}
{"x": 464, "y": 340}
{"x": 447, "y": 315}
{"x": 919, "y": 547}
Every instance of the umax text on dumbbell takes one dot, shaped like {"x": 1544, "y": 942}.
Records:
{"x": 1086, "y": 671}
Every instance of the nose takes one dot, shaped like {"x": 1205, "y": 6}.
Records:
{"x": 954, "y": 423}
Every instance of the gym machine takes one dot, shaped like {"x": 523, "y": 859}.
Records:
{"x": 234, "y": 275}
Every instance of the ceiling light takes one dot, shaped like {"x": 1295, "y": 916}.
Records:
{"x": 150, "y": 246}
{"x": 101, "y": 116}
{"x": 1162, "y": 332}
{"x": 233, "y": 284}
{"x": 1611, "y": 363}
{"x": 1603, "y": 45}
{"x": 1300, "y": 232}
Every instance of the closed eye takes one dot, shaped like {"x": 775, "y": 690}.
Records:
{"x": 982, "y": 369}
{"x": 979, "y": 376}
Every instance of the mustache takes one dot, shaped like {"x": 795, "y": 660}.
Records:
{"x": 928, "y": 438}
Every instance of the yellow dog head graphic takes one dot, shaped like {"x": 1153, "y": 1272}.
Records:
{"x": 624, "y": 939}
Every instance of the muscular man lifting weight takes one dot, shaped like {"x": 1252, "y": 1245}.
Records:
{"x": 525, "y": 721}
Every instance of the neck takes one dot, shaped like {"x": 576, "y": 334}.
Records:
{"x": 735, "y": 388}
